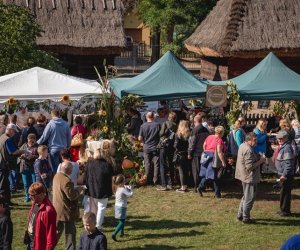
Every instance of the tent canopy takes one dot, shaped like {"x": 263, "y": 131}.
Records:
{"x": 166, "y": 79}
{"x": 269, "y": 80}
{"x": 40, "y": 84}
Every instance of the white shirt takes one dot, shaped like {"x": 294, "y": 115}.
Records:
{"x": 75, "y": 172}
{"x": 122, "y": 194}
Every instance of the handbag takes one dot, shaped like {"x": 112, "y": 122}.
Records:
{"x": 177, "y": 157}
{"x": 216, "y": 162}
{"x": 77, "y": 139}
{"x": 269, "y": 149}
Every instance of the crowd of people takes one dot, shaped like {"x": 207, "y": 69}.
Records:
{"x": 46, "y": 158}
{"x": 201, "y": 153}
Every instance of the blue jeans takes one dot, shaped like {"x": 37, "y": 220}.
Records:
{"x": 28, "y": 177}
{"x": 13, "y": 174}
{"x": 216, "y": 184}
{"x": 55, "y": 159}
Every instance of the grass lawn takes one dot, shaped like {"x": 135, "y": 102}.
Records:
{"x": 170, "y": 220}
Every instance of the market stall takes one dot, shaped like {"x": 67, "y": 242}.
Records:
{"x": 271, "y": 79}
{"x": 43, "y": 90}
{"x": 166, "y": 79}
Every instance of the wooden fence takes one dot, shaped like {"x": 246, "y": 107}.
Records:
{"x": 251, "y": 119}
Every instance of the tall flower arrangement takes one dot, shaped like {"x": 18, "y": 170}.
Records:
{"x": 234, "y": 102}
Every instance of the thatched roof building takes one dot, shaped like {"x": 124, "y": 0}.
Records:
{"x": 248, "y": 29}
{"x": 82, "y": 33}
{"x": 79, "y": 27}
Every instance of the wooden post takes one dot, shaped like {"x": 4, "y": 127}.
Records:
{"x": 53, "y": 4}
{"x": 27, "y": 3}
{"x": 39, "y": 4}
{"x": 113, "y": 4}
{"x": 104, "y": 4}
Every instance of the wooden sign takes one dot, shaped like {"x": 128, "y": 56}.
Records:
{"x": 216, "y": 96}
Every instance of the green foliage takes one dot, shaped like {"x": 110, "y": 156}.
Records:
{"x": 234, "y": 100}
{"x": 130, "y": 101}
{"x": 174, "y": 17}
{"x": 18, "y": 31}
{"x": 282, "y": 108}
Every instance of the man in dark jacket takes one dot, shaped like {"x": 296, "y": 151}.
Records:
{"x": 197, "y": 138}
{"x": 133, "y": 127}
{"x": 6, "y": 226}
{"x": 166, "y": 152}
{"x": 149, "y": 136}
{"x": 284, "y": 163}
{"x": 8, "y": 153}
{"x": 98, "y": 180}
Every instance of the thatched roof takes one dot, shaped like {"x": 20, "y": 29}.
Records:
{"x": 79, "y": 26}
{"x": 249, "y": 27}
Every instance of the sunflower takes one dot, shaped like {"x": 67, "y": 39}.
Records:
{"x": 105, "y": 129}
{"x": 11, "y": 101}
{"x": 65, "y": 98}
{"x": 102, "y": 112}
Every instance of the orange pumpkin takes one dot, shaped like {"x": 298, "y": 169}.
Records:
{"x": 127, "y": 164}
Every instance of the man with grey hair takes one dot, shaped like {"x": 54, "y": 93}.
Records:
{"x": 149, "y": 136}
{"x": 284, "y": 163}
{"x": 8, "y": 154}
{"x": 248, "y": 172}
{"x": 3, "y": 123}
{"x": 65, "y": 202}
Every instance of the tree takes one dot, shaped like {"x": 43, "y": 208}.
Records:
{"x": 176, "y": 19}
{"x": 18, "y": 50}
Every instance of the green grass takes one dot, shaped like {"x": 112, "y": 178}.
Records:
{"x": 170, "y": 220}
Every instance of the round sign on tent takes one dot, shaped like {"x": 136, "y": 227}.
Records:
{"x": 216, "y": 96}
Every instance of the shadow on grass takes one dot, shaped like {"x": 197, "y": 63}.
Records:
{"x": 278, "y": 222}
{"x": 163, "y": 224}
{"x": 168, "y": 235}
{"x": 265, "y": 191}
{"x": 155, "y": 247}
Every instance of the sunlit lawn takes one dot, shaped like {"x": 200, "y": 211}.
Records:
{"x": 170, "y": 220}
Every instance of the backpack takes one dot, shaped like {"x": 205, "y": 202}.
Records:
{"x": 232, "y": 148}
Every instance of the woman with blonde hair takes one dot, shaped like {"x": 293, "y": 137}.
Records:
{"x": 296, "y": 126}
{"x": 181, "y": 145}
{"x": 98, "y": 180}
{"x": 212, "y": 144}
{"x": 284, "y": 124}
{"x": 261, "y": 133}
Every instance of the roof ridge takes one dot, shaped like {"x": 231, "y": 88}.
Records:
{"x": 237, "y": 13}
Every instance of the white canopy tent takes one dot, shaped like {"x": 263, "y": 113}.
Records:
{"x": 42, "y": 84}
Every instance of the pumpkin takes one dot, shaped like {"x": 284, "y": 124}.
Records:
{"x": 127, "y": 164}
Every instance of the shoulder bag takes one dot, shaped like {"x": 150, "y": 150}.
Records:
{"x": 216, "y": 163}
{"x": 77, "y": 139}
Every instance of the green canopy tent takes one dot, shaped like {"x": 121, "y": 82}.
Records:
{"x": 269, "y": 80}
{"x": 166, "y": 79}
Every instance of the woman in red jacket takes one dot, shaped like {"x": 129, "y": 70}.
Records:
{"x": 78, "y": 128}
{"x": 41, "y": 229}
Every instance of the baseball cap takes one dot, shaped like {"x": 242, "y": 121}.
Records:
{"x": 282, "y": 134}
{"x": 12, "y": 126}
